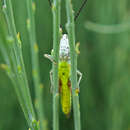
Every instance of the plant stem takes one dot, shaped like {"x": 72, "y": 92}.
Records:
{"x": 35, "y": 63}
{"x": 56, "y": 41}
{"x": 71, "y": 34}
{"x": 16, "y": 67}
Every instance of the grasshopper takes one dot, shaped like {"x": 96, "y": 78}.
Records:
{"x": 64, "y": 68}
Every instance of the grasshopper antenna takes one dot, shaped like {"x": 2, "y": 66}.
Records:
{"x": 50, "y": 3}
{"x": 80, "y": 9}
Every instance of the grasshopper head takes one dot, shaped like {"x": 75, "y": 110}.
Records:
{"x": 64, "y": 48}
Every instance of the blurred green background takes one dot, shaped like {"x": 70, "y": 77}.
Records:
{"x": 103, "y": 30}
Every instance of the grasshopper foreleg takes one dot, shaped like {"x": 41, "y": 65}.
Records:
{"x": 80, "y": 77}
{"x": 50, "y": 57}
{"x": 51, "y": 79}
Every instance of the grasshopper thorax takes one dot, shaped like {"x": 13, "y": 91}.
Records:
{"x": 64, "y": 51}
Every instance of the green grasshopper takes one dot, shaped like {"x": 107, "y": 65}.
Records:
{"x": 64, "y": 68}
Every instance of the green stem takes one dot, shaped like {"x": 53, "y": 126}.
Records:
{"x": 71, "y": 34}
{"x": 56, "y": 41}
{"x": 35, "y": 63}
{"x": 18, "y": 74}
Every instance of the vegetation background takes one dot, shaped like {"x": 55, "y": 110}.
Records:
{"x": 103, "y": 30}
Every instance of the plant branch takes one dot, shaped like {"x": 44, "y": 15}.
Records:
{"x": 15, "y": 66}
{"x": 35, "y": 63}
{"x": 71, "y": 34}
{"x": 56, "y": 41}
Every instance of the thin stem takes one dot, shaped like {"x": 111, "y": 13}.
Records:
{"x": 35, "y": 63}
{"x": 18, "y": 74}
{"x": 56, "y": 40}
{"x": 71, "y": 34}
{"x": 8, "y": 67}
